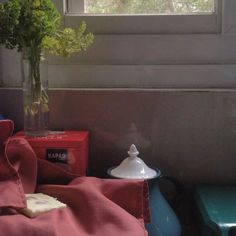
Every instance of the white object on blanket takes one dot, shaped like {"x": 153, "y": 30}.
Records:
{"x": 38, "y": 203}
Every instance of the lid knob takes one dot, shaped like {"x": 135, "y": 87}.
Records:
{"x": 133, "y": 152}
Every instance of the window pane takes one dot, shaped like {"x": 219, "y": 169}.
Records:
{"x": 148, "y": 6}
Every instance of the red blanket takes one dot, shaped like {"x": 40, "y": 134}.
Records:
{"x": 98, "y": 207}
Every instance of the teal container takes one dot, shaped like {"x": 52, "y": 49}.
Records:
{"x": 216, "y": 206}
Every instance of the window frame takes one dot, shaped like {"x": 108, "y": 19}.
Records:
{"x": 160, "y": 59}
{"x": 147, "y": 24}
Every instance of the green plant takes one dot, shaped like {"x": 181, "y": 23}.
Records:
{"x": 33, "y": 26}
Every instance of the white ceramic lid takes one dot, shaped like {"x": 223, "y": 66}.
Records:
{"x": 133, "y": 167}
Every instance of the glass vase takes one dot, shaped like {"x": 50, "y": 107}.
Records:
{"x": 35, "y": 97}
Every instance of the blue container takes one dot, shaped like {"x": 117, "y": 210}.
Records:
{"x": 164, "y": 221}
{"x": 1, "y": 117}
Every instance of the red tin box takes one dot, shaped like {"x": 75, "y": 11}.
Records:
{"x": 68, "y": 149}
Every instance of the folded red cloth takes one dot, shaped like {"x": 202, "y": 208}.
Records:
{"x": 99, "y": 207}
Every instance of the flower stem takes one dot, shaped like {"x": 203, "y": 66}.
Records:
{"x": 37, "y": 98}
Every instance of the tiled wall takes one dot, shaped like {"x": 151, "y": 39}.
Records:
{"x": 190, "y": 135}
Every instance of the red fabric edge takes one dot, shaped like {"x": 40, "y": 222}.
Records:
{"x": 146, "y": 206}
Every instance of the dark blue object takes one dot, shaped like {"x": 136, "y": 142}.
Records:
{"x": 1, "y": 117}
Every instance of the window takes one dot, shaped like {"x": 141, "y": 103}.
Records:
{"x": 141, "y": 6}
{"x": 144, "y": 49}
{"x": 145, "y": 16}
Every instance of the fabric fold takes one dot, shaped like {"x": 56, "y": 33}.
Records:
{"x": 98, "y": 207}
{"x": 11, "y": 189}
